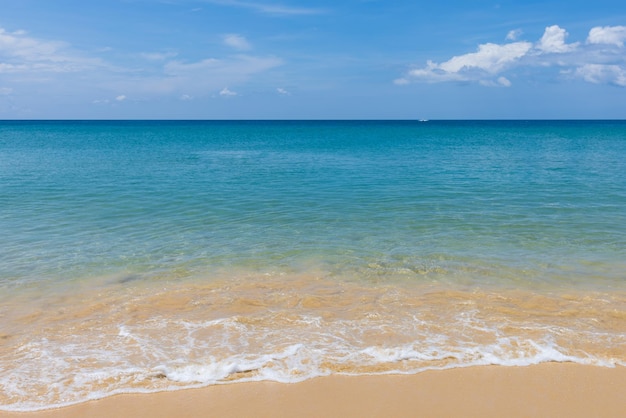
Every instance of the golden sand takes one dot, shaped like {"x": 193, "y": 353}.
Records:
{"x": 239, "y": 321}
{"x": 547, "y": 390}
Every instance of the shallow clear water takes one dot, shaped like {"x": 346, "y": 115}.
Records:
{"x": 141, "y": 256}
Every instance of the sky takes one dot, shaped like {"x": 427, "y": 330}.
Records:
{"x": 305, "y": 59}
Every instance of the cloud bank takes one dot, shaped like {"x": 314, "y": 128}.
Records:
{"x": 601, "y": 59}
{"x": 27, "y": 61}
{"x": 20, "y": 53}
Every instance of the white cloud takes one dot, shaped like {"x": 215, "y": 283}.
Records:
{"x": 499, "y": 82}
{"x": 227, "y": 93}
{"x": 513, "y": 35}
{"x": 553, "y": 40}
{"x": 270, "y": 9}
{"x": 210, "y": 74}
{"x": 238, "y": 65}
{"x": 158, "y": 56}
{"x": 611, "y": 35}
{"x": 489, "y": 59}
{"x": 56, "y": 72}
{"x": 503, "y": 81}
{"x": 30, "y": 61}
{"x": 283, "y": 91}
{"x": 17, "y": 44}
{"x": 13, "y": 68}
{"x": 597, "y": 61}
{"x": 21, "y": 53}
{"x": 401, "y": 81}
{"x": 177, "y": 78}
{"x": 599, "y": 73}
{"x": 236, "y": 41}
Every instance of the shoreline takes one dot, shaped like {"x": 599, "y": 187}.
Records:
{"x": 548, "y": 389}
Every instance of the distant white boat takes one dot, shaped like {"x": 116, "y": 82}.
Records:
{"x": 423, "y": 120}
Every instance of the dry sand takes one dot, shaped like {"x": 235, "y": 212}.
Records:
{"x": 547, "y": 390}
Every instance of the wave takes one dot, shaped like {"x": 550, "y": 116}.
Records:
{"x": 134, "y": 337}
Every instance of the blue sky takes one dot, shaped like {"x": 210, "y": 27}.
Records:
{"x": 286, "y": 59}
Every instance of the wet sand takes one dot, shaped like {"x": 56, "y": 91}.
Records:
{"x": 550, "y": 390}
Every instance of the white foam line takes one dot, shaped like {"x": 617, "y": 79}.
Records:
{"x": 193, "y": 375}
{"x": 281, "y": 361}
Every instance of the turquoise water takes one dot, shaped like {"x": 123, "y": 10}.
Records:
{"x": 123, "y": 209}
{"x": 84, "y": 199}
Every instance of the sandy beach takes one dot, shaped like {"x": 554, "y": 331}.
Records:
{"x": 546, "y": 390}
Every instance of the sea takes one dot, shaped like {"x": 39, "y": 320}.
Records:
{"x": 146, "y": 256}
